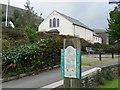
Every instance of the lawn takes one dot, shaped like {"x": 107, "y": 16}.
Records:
{"x": 94, "y": 59}
{"x": 111, "y": 84}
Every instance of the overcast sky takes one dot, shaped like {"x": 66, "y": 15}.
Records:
{"x": 93, "y": 14}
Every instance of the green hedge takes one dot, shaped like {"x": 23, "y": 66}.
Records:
{"x": 45, "y": 53}
{"x": 106, "y": 48}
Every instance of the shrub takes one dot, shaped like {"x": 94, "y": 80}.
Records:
{"x": 105, "y": 48}
{"x": 99, "y": 78}
{"x": 30, "y": 34}
{"x": 33, "y": 57}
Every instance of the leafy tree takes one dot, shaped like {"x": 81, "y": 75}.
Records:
{"x": 16, "y": 15}
{"x": 28, "y": 21}
{"x": 3, "y": 18}
{"x": 30, "y": 34}
{"x": 114, "y": 24}
{"x": 28, "y": 16}
{"x": 18, "y": 22}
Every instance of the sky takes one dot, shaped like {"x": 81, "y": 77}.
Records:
{"x": 93, "y": 13}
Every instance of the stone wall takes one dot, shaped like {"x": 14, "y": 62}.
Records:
{"x": 106, "y": 73}
{"x": 98, "y": 78}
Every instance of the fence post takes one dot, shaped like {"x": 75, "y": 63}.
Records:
{"x": 100, "y": 58}
{"x": 112, "y": 52}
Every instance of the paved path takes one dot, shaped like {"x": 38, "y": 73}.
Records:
{"x": 44, "y": 78}
{"x": 39, "y": 80}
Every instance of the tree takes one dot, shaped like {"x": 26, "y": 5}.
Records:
{"x": 114, "y": 24}
{"x": 15, "y": 17}
{"x": 30, "y": 34}
{"x": 29, "y": 15}
{"x": 16, "y": 14}
{"x": 29, "y": 25}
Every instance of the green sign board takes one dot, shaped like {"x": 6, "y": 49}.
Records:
{"x": 70, "y": 62}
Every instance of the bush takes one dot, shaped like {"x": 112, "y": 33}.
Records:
{"x": 99, "y": 78}
{"x": 105, "y": 48}
{"x": 30, "y": 34}
{"x": 37, "y": 56}
{"x": 12, "y": 33}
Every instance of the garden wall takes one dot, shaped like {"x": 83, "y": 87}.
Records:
{"x": 93, "y": 79}
{"x": 106, "y": 73}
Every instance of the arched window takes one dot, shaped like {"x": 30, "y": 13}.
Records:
{"x": 58, "y": 22}
{"x": 50, "y": 23}
{"x": 54, "y": 22}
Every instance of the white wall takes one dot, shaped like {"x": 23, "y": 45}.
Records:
{"x": 83, "y": 33}
{"x": 97, "y": 39}
{"x": 65, "y": 26}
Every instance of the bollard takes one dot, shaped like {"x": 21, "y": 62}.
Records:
{"x": 112, "y": 53}
{"x": 100, "y": 58}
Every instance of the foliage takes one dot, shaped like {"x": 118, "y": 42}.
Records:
{"x": 105, "y": 48}
{"x": 16, "y": 17}
{"x": 16, "y": 14}
{"x": 30, "y": 34}
{"x": 109, "y": 75}
{"x": 6, "y": 45}
{"x": 114, "y": 24}
{"x": 34, "y": 57}
{"x": 8, "y": 33}
{"x": 109, "y": 84}
{"x": 29, "y": 17}
{"x": 3, "y": 18}
{"x": 13, "y": 38}
{"x": 99, "y": 77}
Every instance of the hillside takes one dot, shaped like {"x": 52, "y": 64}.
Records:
{"x": 16, "y": 37}
{"x": 12, "y": 9}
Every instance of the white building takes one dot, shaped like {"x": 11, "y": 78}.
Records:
{"x": 97, "y": 38}
{"x": 66, "y": 26}
{"x": 103, "y": 34}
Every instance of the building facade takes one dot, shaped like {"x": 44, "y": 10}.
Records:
{"x": 102, "y": 33}
{"x": 66, "y": 26}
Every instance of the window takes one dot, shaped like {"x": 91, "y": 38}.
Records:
{"x": 58, "y": 22}
{"x": 54, "y": 22}
{"x": 50, "y": 23}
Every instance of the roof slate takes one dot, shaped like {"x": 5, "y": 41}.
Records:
{"x": 74, "y": 21}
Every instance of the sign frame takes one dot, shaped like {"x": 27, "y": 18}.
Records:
{"x": 77, "y": 72}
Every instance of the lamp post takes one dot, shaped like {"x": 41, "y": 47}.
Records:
{"x": 7, "y": 6}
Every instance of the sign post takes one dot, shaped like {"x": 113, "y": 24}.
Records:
{"x": 70, "y": 63}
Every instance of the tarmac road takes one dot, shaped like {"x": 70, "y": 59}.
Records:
{"x": 44, "y": 78}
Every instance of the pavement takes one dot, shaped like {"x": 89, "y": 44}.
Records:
{"x": 40, "y": 80}
{"x": 44, "y": 78}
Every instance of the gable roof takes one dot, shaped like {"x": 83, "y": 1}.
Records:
{"x": 74, "y": 21}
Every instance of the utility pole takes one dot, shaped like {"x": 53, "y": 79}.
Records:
{"x": 7, "y": 6}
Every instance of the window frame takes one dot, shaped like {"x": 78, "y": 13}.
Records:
{"x": 58, "y": 22}
{"x": 54, "y": 22}
{"x": 50, "y": 23}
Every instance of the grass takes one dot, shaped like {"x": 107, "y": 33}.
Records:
{"x": 110, "y": 84}
{"x": 94, "y": 59}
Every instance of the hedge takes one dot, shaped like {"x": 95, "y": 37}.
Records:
{"x": 45, "y": 53}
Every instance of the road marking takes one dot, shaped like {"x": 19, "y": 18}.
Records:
{"x": 59, "y": 83}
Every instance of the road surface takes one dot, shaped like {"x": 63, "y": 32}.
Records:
{"x": 44, "y": 78}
